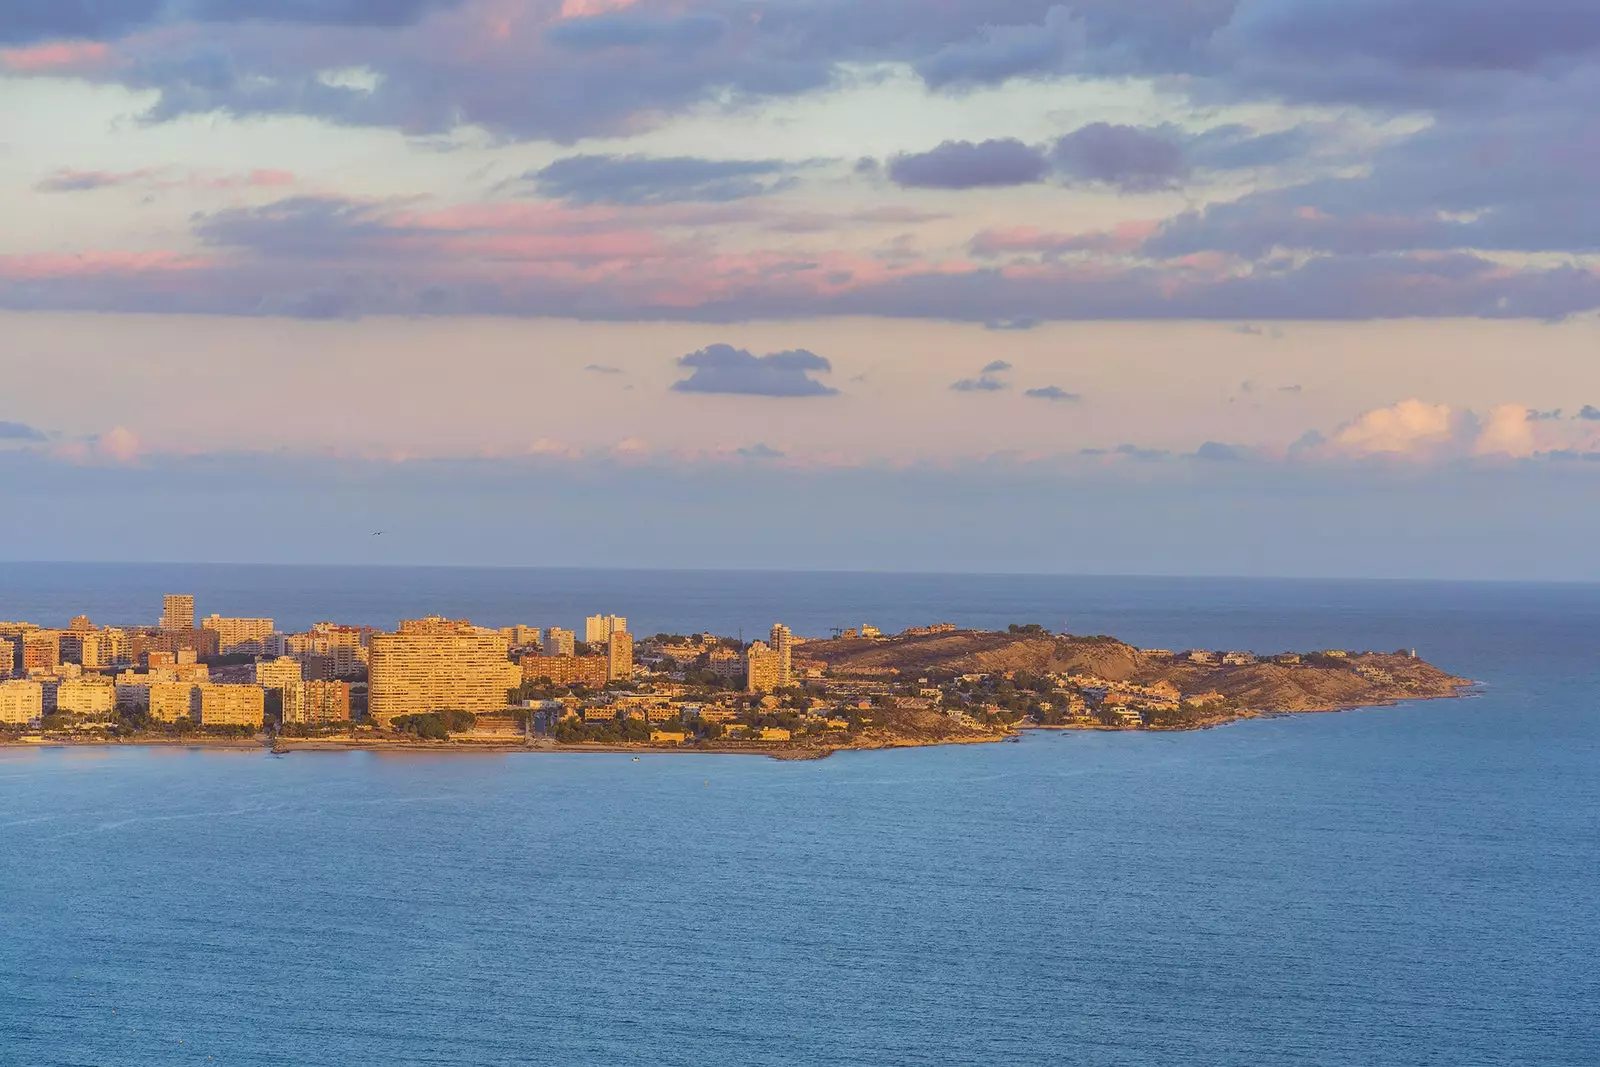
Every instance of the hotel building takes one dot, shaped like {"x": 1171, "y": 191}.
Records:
{"x": 438, "y": 664}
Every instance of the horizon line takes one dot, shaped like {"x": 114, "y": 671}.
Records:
{"x": 843, "y": 571}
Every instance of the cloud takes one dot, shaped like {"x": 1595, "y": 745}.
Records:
{"x": 117, "y": 447}
{"x": 1011, "y": 325}
{"x": 1409, "y": 428}
{"x": 724, "y": 369}
{"x": 983, "y": 384}
{"x": 999, "y": 52}
{"x": 602, "y": 368}
{"x": 760, "y": 451}
{"x": 1053, "y": 393}
{"x": 999, "y": 366}
{"x": 68, "y": 180}
{"x": 1128, "y": 452}
{"x": 1126, "y": 157}
{"x": 964, "y": 165}
{"x": 16, "y": 431}
{"x": 1507, "y": 431}
{"x": 1590, "y": 413}
{"x": 600, "y": 179}
{"x": 43, "y": 20}
{"x": 1216, "y": 452}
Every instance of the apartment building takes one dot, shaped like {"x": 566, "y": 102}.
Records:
{"x": 20, "y": 702}
{"x": 437, "y": 664}
{"x": 240, "y": 636}
{"x": 231, "y": 705}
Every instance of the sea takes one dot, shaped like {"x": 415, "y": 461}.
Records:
{"x": 1409, "y": 885}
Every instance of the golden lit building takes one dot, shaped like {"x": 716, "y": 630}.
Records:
{"x": 619, "y": 656}
{"x": 597, "y": 629}
{"x": 20, "y": 702}
{"x": 278, "y": 673}
{"x": 559, "y": 642}
{"x": 521, "y": 636}
{"x": 177, "y": 612}
{"x": 437, "y": 664}
{"x": 91, "y": 698}
{"x": 725, "y": 663}
{"x": 41, "y": 650}
{"x": 171, "y": 701}
{"x": 763, "y": 668}
{"x": 240, "y": 636}
{"x": 783, "y": 645}
{"x": 316, "y": 702}
{"x": 232, "y": 705}
{"x": 592, "y": 671}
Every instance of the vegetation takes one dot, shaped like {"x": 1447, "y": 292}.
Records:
{"x": 436, "y": 725}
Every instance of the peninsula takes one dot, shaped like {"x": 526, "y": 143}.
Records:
{"x": 447, "y": 685}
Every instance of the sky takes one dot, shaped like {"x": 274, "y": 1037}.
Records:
{"x": 1267, "y": 287}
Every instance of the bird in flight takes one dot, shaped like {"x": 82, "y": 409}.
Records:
{"x": 377, "y": 533}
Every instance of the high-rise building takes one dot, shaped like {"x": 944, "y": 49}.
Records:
{"x": 80, "y": 624}
{"x": 177, "y": 612}
{"x": 20, "y": 702}
{"x": 619, "y": 656}
{"x": 559, "y": 642}
{"x": 240, "y": 636}
{"x": 231, "y": 705}
{"x": 597, "y": 629}
{"x": 10, "y": 654}
{"x": 311, "y": 703}
{"x": 762, "y": 668}
{"x": 41, "y": 650}
{"x": 783, "y": 645}
{"x": 278, "y": 673}
{"x": 438, "y": 664}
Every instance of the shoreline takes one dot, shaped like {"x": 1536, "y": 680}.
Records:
{"x": 788, "y": 754}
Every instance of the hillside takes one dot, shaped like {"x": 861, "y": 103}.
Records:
{"x": 1320, "y": 684}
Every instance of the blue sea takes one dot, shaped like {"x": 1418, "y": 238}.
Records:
{"x": 1408, "y": 885}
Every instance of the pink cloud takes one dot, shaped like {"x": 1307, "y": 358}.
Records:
{"x": 40, "y": 265}
{"x": 55, "y": 56}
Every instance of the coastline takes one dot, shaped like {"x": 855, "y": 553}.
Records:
{"x": 786, "y": 753}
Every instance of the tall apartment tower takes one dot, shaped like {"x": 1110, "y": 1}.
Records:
{"x": 437, "y": 664}
{"x": 761, "y": 669}
{"x": 559, "y": 642}
{"x": 783, "y": 646}
{"x": 177, "y": 612}
{"x": 619, "y": 656}
{"x": 597, "y": 629}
